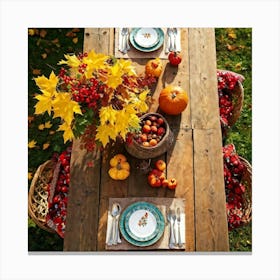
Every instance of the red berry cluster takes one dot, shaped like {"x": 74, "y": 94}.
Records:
{"x": 85, "y": 92}
{"x": 56, "y": 217}
{"x": 233, "y": 172}
{"x": 226, "y": 83}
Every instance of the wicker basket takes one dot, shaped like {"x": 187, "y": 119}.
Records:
{"x": 238, "y": 98}
{"x": 38, "y": 194}
{"x": 247, "y": 181}
{"x": 139, "y": 151}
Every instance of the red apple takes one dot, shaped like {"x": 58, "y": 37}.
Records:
{"x": 160, "y": 165}
{"x": 161, "y": 131}
{"x": 154, "y": 129}
{"x": 164, "y": 183}
{"x": 146, "y": 128}
{"x": 160, "y": 121}
{"x": 172, "y": 183}
{"x": 153, "y": 142}
{"x": 143, "y": 137}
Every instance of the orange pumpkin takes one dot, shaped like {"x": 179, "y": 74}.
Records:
{"x": 173, "y": 100}
{"x": 153, "y": 67}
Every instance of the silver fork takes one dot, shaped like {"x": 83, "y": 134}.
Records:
{"x": 179, "y": 229}
{"x": 170, "y": 33}
{"x": 174, "y": 35}
{"x": 125, "y": 45}
{"x": 171, "y": 226}
{"x": 174, "y": 220}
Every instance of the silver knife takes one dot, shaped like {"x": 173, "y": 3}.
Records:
{"x": 179, "y": 230}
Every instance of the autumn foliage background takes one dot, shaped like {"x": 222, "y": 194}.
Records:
{"x": 47, "y": 46}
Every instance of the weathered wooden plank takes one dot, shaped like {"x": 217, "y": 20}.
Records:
{"x": 210, "y": 201}
{"x": 82, "y": 217}
{"x": 83, "y": 203}
{"x": 180, "y": 155}
{"x": 98, "y": 39}
{"x": 210, "y": 213}
{"x": 203, "y": 86}
{"x": 109, "y": 188}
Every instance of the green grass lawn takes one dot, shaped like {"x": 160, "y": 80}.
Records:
{"x": 47, "y": 46}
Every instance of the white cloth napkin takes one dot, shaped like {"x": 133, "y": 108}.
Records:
{"x": 110, "y": 229}
{"x": 178, "y": 40}
{"x": 120, "y": 40}
{"x": 182, "y": 230}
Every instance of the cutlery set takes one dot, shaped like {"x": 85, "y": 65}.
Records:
{"x": 133, "y": 233}
{"x": 172, "y": 216}
{"x": 172, "y": 40}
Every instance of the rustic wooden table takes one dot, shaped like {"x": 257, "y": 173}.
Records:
{"x": 195, "y": 159}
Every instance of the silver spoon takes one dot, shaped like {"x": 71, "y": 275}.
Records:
{"x": 116, "y": 209}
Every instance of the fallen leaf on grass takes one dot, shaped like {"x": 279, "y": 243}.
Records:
{"x": 45, "y": 146}
{"x": 70, "y": 34}
{"x": 55, "y": 41}
{"x": 31, "y": 32}
{"x": 75, "y": 40}
{"x": 30, "y": 119}
{"x": 32, "y": 144}
{"x": 43, "y": 33}
{"x": 41, "y": 126}
{"x": 238, "y": 66}
{"x": 232, "y": 35}
{"x": 75, "y": 30}
{"x": 44, "y": 55}
{"x": 48, "y": 124}
{"x": 52, "y": 132}
{"x": 36, "y": 72}
{"x": 30, "y": 175}
{"x": 231, "y": 47}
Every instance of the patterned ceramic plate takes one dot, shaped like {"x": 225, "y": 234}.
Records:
{"x": 142, "y": 224}
{"x": 147, "y": 39}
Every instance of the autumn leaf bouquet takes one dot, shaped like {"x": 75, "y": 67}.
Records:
{"x": 97, "y": 97}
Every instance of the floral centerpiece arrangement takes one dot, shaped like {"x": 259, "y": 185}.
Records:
{"x": 97, "y": 97}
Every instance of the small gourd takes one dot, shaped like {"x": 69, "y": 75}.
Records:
{"x": 119, "y": 167}
{"x": 153, "y": 68}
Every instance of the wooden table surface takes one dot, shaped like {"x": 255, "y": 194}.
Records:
{"x": 195, "y": 159}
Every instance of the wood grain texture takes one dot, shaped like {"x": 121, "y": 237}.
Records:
{"x": 81, "y": 232}
{"x": 203, "y": 78}
{"x": 210, "y": 200}
{"x": 82, "y": 217}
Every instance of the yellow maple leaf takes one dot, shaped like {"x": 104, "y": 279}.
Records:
{"x": 134, "y": 122}
{"x": 114, "y": 78}
{"x": 127, "y": 67}
{"x": 71, "y": 60}
{"x": 102, "y": 134}
{"x": 64, "y": 107}
{"x": 107, "y": 115}
{"x": 122, "y": 123}
{"x": 32, "y": 144}
{"x": 47, "y": 84}
{"x": 67, "y": 132}
{"x": 94, "y": 62}
{"x": 45, "y": 102}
